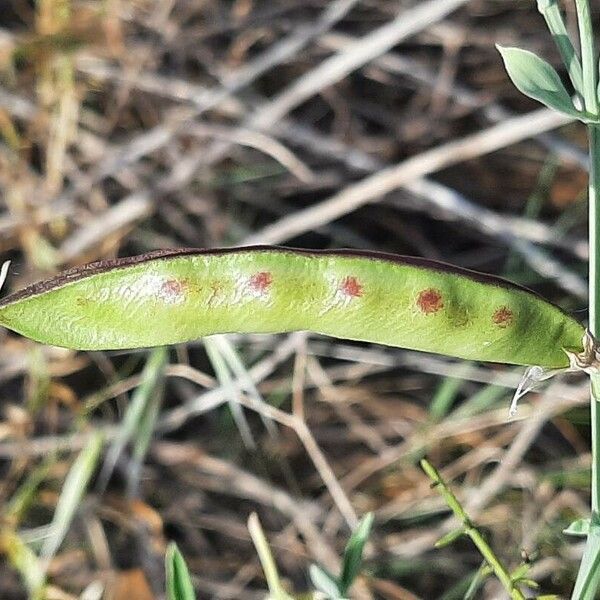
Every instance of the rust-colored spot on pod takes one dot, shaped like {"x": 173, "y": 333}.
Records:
{"x": 261, "y": 281}
{"x": 351, "y": 287}
{"x": 430, "y": 301}
{"x": 172, "y": 291}
{"x": 503, "y": 317}
{"x": 172, "y": 287}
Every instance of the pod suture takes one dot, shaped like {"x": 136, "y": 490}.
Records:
{"x": 174, "y": 296}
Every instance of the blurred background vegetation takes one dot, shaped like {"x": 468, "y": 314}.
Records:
{"x": 131, "y": 125}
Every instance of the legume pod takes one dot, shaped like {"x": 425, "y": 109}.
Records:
{"x": 174, "y": 296}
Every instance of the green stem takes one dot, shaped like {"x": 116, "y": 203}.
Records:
{"x": 588, "y": 578}
{"x": 469, "y": 529}
{"x": 588, "y": 57}
{"x": 594, "y": 301}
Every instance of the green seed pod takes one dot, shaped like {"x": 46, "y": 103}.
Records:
{"x": 174, "y": 296}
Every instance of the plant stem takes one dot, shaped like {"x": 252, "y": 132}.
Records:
{"x": 469, "y": 529}
{"x": 588, "y": 578}
{"x": 594, "y": 301}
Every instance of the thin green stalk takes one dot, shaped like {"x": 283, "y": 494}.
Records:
{"x": 594, "y": 277}
{"x": 595, "y": 421}
{"x": 588, "y": 57}
{"x": 588, "y": 578}
{"x": 469, "y": 529}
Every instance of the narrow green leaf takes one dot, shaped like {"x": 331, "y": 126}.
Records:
{"x": 179, "y": 583}
{"x": 520, "y": 572}
{"x": 450, "y": 537}
{"x": 324, "y": 581}
{"x": 537, "y": 79}
{"x": 529, "y": 583}
{"x": 353, "y": 553}
{"x": 579, "y": 527}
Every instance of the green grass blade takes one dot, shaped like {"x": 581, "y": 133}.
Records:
{"x": 444, "y": 397}
{"x": 134, "y": 415}
{"x": 324, "y": 581}
{"x": 73, "y": 490}
{"x": 481, "y": 401}
{"x": 238, "y": 368}
{"x": 145, "y": 429}
{"x": 223, "y": 374}
{"x": 179, "y": 583}
{"x": 26, "y": 494}
{"x": 354, "y": 552}
{"x": 24, "y": 560}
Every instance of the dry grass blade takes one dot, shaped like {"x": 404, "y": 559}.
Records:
{"x": 391, "y": 178}
{"x": 161, "y": 135}
{"x": 406, "y": 23}
{"x": 276, "y": 590}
